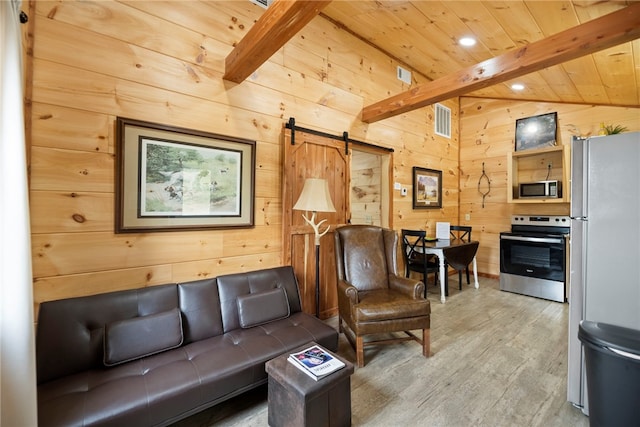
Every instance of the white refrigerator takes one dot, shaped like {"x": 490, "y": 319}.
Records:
{"x": 605, "y": 243}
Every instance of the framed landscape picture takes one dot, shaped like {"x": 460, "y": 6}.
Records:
{"x": 536, "y": 132}
{"x": 427, "y": 188}
{"x": 170, "y": 178}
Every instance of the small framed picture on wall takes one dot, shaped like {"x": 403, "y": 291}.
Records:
{"x": 427, "y": 188}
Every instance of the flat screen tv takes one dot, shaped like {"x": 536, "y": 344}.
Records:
{"x": 537, "y": 131}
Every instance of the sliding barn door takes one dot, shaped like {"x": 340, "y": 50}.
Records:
{"x": 313, "y": 156}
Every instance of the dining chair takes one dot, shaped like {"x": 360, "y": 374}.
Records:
{"x": 413, "y": 253}
{"x": 461, "y": 233}
{"x": 459, "y": 257}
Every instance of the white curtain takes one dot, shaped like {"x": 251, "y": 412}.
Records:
{"x": 17, "y": 343}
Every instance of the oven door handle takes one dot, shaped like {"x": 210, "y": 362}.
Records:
{"x": 532, "y": 239}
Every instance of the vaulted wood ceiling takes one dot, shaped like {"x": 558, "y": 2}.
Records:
{"x": 423, "y": 36}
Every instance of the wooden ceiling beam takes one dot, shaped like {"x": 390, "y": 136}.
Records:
{"x": 277, "y": 25}
{"x": 601, "y": 33}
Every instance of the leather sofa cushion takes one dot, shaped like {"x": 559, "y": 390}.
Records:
{"x": 231, "y": 286}
{"x": 131, "y": 339}
{"x": 262, "y": 307}
{"x": 200, "y": 307}
{"x": 70, "y": 332}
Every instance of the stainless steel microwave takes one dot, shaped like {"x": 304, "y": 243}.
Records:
{"x": 542, "y": 189}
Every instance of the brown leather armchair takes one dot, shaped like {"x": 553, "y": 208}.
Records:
{"x": 372, "y": 298}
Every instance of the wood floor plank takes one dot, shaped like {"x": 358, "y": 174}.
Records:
{"x": 498, "y": 359}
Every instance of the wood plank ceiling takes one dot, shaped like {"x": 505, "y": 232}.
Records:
{"x": 593, "y": 36}
{"x": 423, "y": 35}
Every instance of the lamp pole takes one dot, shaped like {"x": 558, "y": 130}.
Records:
{"x": 318, "y": 235}
{"x": 315, "y": 197}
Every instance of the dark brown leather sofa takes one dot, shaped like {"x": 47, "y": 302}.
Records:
{"x": 152, "y": 356}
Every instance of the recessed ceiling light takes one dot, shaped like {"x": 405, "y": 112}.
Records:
{"x": 467, "y": 41}
{"x": 517, "y": 86}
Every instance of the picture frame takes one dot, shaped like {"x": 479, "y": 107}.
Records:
{"x": 170, "y": 178}
{"x": 536, "y": 131}
{"x": 427, "y": 188}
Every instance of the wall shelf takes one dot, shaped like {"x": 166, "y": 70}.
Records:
{"x": 533, "y": 165}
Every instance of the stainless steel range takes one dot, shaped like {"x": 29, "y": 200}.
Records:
{"x": 534, "y": 256}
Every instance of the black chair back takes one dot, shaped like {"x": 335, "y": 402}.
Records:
{"x": 412, "y": 244}
{"x": 413, "y": 253}
{"x": 460, "y": 232}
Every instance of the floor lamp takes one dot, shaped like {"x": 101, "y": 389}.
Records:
{"x": 315, "y": 197}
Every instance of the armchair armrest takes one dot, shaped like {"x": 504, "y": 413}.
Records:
{"x": 347, "y": 298}
{"x": 345, "y": 289}
{"x": 411, "y": 287}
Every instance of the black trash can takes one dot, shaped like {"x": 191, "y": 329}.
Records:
{"x": 612, "y": 361}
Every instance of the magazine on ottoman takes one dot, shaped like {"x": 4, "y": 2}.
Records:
{"x": 316, "y": 362}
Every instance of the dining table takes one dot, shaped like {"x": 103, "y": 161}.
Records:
{"x": 436, "y": 247}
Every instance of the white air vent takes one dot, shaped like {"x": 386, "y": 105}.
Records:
{"x": 404, "y": 75}
{"x": 262, "y": 3}
{"x": 443, "y": 121}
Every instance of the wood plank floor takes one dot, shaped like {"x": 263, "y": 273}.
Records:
{"x": 498, "y": 359}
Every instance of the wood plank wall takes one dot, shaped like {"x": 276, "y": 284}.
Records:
{"x": 487, "y": 130}
{"x": 163, "y": 62}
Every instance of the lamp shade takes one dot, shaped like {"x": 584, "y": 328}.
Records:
{"x": 315, "y": 196}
